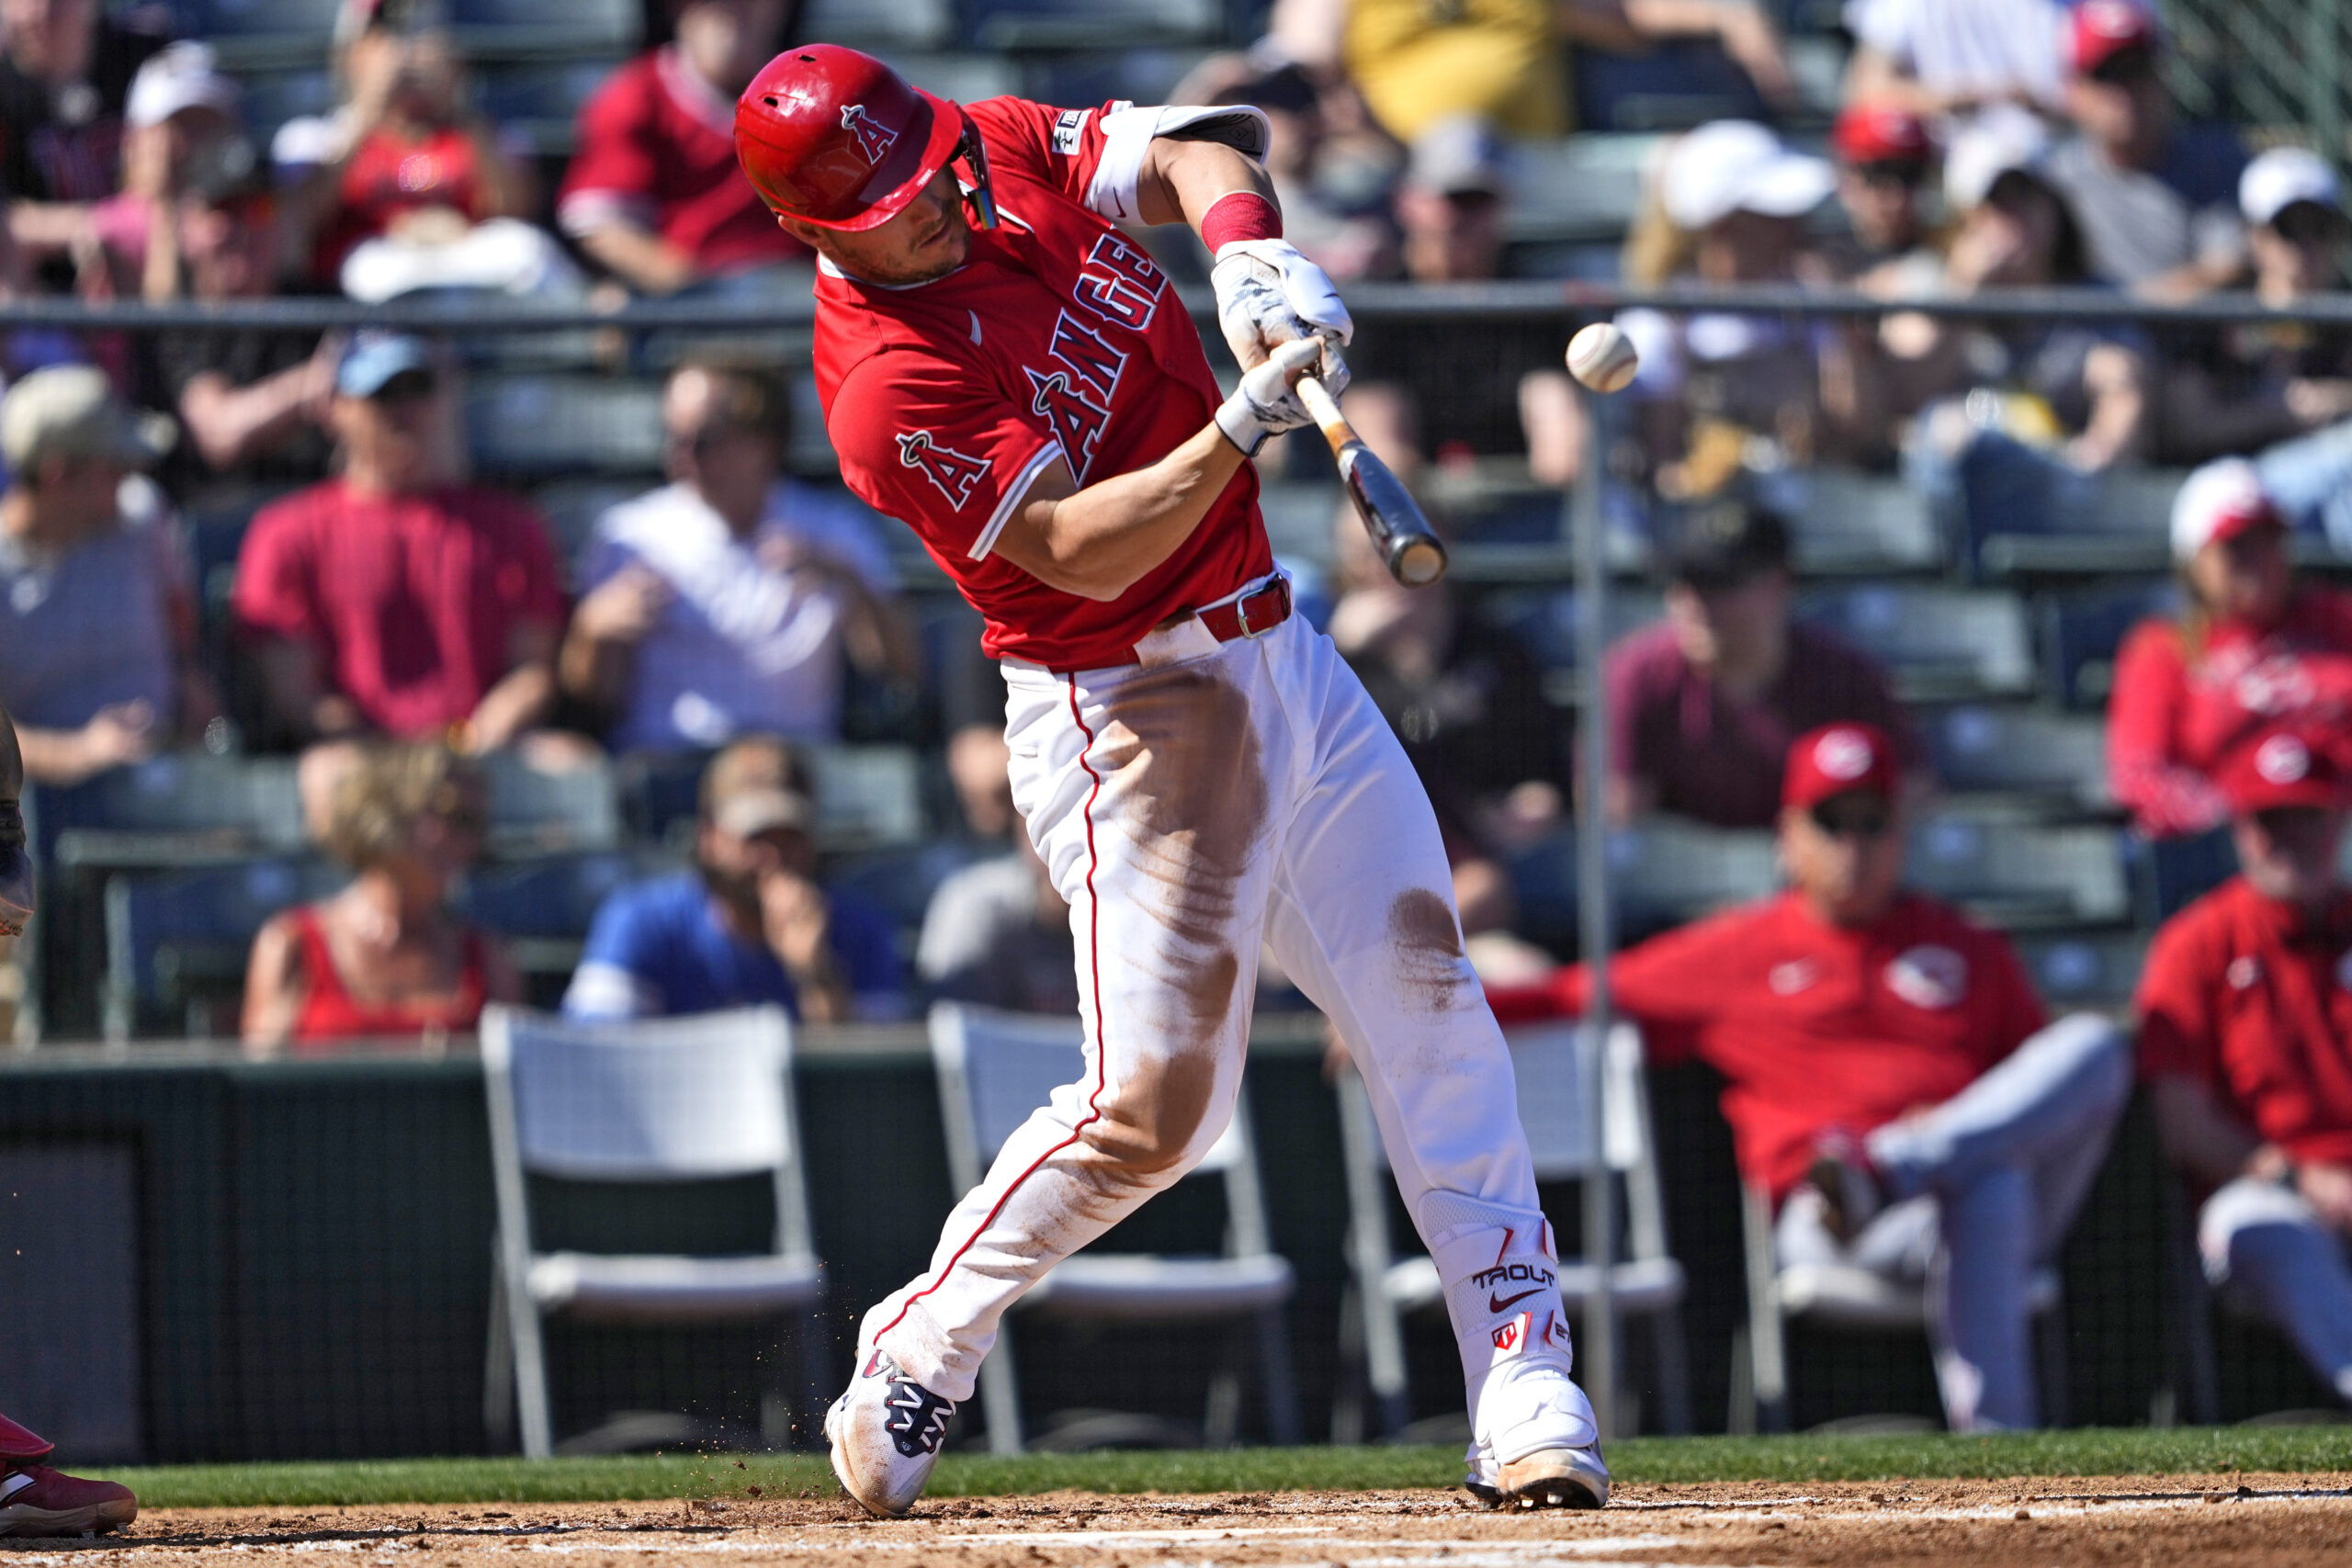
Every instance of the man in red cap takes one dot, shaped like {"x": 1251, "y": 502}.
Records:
{"x": 1892, "y": 1081}
{"x": 1006, "y": 372}
{"x": 35, "y": 1499}
{"x": 2157, "y": 201}
{"x": 1883, "y": 153}
{"x": 2245, "y": 1043}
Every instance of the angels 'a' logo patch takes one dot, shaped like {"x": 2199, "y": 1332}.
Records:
{"x": 874, "y": 140}
{"x": 1929, "y": 977}
{"x": 954, "y": 472}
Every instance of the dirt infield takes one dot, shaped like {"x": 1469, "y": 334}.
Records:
{"x": 2209, "y": 1521}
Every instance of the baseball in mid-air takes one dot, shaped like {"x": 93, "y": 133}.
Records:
{"x": 1601, "y": 357}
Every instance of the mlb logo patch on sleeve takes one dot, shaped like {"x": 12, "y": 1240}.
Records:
{"x": 1069, "y": 130}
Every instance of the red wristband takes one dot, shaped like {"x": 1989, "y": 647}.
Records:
{"x": 1239, "y": 215}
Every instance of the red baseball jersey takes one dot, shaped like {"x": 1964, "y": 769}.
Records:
{"x": 1817, "y": 1026}
{"x": 1058, "y": 338}
{"x": 2253, "y": 997}
{"x": 657, "y": 149}
{"x": 2174, "y": 716}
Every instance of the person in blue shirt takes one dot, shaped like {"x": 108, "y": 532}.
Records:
{"x": 750, "y": 924}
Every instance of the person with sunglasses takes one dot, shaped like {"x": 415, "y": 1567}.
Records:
{"x": 732, "y": 601}
{"x": 2245, "y": 1008}
{"x": 1884, "y": 156}
{"x": 2156, "y": 198}
{"x": 392, "y": 599}
{"x": 1893, "y": 1082}
{"x": 385, "y": 958}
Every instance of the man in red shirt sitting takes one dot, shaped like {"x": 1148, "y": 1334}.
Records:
{"x": 1893, "y": 1082}
{"x": 2246, "y": 1042}
{"x": 653, "y": 193}
{"x": 392, "y": 600}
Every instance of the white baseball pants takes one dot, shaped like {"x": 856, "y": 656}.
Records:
{"x": 1187, "y": 806}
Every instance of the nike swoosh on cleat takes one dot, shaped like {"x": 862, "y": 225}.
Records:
{"x": 1494, "y": 1305}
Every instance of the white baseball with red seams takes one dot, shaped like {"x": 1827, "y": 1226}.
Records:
{"x": 1189, "y": 797}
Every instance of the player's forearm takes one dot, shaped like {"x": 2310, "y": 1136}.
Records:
{"x": 1182, "y": 180}
{"x": 1101, "y": 541}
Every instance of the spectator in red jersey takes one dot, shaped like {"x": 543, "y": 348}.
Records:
{"x": 1701, "y": 708}
{"x": 393, "y": 599}
{"x": 1884, "y": 156}
{"x": 2254, "y": 648}
{"x": 384, "y": 958}
{"x": 407, "y": 185}
{"x": 654, "y": 194}
{"x": 2246, "y": 1010}
{"x": 1892, "y": 1081}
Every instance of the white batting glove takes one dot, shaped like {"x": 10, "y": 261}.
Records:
{"x": 1265, "y": 404}
{"x": 1268, "y": 294}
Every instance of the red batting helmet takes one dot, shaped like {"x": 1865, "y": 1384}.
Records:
{"x": 837, "y": 139}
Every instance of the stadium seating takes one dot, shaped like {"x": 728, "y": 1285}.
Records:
{"x": 564, "y": 424}
{"x": 2031, "y": 756}
{"x": 2021, "y": 874}
{"x": 997, "y": 1067}
{"x": 885, "y": 25}
{"x": 178, "y": 942}
{"x": 670, "y": 1102}
{"x": 541, "y": 909}
{"x": 1939, "y": 642}
{"x": 1034, "y": 25}
{"x": 1551, "y": 1065}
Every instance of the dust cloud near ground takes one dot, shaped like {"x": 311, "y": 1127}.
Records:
{"x": 2215, "y": 1521}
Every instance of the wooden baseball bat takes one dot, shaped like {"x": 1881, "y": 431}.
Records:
{"x": 1416, "y": 557}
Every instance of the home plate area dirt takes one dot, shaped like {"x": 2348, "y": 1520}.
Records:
{"x": 2176, "y": 1521}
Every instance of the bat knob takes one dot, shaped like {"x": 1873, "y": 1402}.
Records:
{"x": 1416, "y": 563}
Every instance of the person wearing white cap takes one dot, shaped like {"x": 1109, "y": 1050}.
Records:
{"x": 182, "y": 139}
{"x": 2244, "y": 387}
{"x": 90, "y": 605}
{"x": 1727, "y": 206}
{"x": 2014, "y": 414}
{"x": 2252, "y": 648}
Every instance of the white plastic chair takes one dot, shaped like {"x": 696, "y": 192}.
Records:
{"x": 1547, "y": 1063}
{"x": 693, "y": 1098}
{"x": 994, "y": 1069}
{"x": 1845, "y": 1296}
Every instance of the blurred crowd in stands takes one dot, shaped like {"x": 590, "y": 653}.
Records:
{"x": 273, "y": 542}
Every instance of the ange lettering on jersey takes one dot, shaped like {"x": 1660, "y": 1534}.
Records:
{"x": 1121, "y": 282}
{"x": 954, "y": 472}
{"x": 1074, "y": 392}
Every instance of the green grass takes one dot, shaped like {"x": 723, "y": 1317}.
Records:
{"x": 1794, "y": 1460}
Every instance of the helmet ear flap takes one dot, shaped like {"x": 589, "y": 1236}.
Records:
{"x": 974, "y": 153}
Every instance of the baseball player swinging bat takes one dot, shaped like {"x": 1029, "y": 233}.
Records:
{"x": 1202, "y": 775}
{"x": 1416, "y": 557}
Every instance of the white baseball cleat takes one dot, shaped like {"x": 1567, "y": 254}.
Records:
{"x": 1538, "y": 1446}
{"x": 885, "y": 1431}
